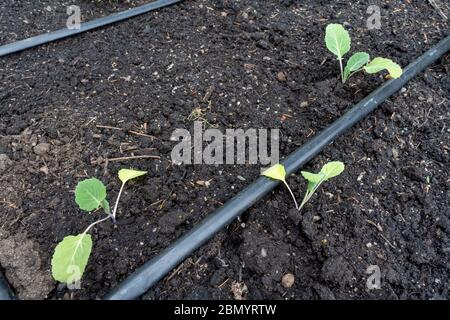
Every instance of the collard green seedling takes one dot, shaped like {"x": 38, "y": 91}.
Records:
{"x": 72, "y": 253}
{"x": 328, "y": 171}
{"x": 277, "y": 172}
{"x": 338, "y": 41}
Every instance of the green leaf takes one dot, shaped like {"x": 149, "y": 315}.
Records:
{"x": 356, "y": 62}
{"x": 312, "y": 177}
{"x": 89, "y": 194}
{"x": 70, "y": 258}
{"x": 337, "y": 40}
{"x": 276, "y": 172}
{"x": 332, "y": 169}
{"x": 378, "y": 64}
{"x": 106, "y": 207}
{"x": 128, "y": 174}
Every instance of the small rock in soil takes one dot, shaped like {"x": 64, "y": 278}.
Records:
{"x": 308, "y": 226}
{"x": 263, "y": 44}
{"x": 42, "y": 149}
{"x": 414, "y": 173}
{"x": 239, "y": 290}
{"x": 281, "y": 76}
{"x": 281, "y": 27}
{"x": 258, "y": 35}
{"x": 288, "y": 280}
{"x": 5, "y": 162}
{"x": 304, "y": 104}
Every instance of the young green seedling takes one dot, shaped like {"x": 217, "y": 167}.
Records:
{"x": 72, "y": 253}
{"x": 277, "y": 172}
{"x": 338, "y": 41}
{"x": 329, "y": 170}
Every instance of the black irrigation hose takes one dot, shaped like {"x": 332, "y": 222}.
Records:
{"x": 155, "y": 269}
{"x": 5, "y": 290}
{"x": 64, "y": 33}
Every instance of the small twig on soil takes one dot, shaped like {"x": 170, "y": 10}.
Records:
{"x": 380, "y": 229}
{"x": 436, "y": 6}
{"x": 223, "y": 283}
{"x": 134, "y": 158}
{"x": 108, "y": 127}
{"x": 387, "y": 241}
{"x": 175, "y": 272}
{"x": 162, "y": 204}
{"x": 141, "y": 134}
{"x": 155, "y": 203}
{"x": 89, "y": 122}
{"x": 129, "y": 131}
{"x": 208, "y": 93}
{"x": 376, "y": 225}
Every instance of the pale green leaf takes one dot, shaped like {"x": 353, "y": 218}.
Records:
{"x": 311, "y": 185}
{"x": 356, "y": 62}
{"x": 89, "y": 194}
{"x": 70, "y": 258}
{"x": 105, "y": 206}
{"x": 128, "y": 174}
{"x": 332, "y": 169}
{"x": 312, "y": 177}
{"x": 337, "y": 40}
{"x": 378, "y": 64}
{"x": 276, "y": 172}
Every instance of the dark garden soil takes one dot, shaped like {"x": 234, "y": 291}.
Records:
{"x": 389, "y": 208}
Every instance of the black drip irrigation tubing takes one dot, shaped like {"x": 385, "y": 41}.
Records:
{"x": 155, "y": 269}
{"x": 101, "y": 22}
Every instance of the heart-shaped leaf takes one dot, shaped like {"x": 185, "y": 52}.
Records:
{"x": 89, "y": 194}
{"x": 332, "y": 169}
{"x": 328, "y": 171}
{"x": 128, "y": 174}
{"x": 312, "y": 177}
{"x": 356, "y": 62}
{"x": 70, "y": 258}
{"x": 337, "y": 40}
{"x": 276, "y": 172}
{"x": 378, "y": 64}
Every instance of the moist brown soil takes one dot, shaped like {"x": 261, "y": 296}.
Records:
{"x": 389, "y": 208}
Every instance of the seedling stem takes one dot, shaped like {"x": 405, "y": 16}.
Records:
{"x": 292, "y": 194}
{"x": 113, "y": 216}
